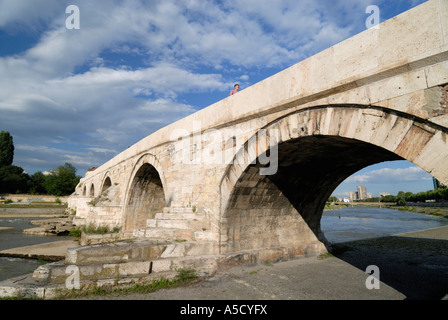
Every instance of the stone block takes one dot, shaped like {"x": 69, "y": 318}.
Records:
{"x": 437, "y": 74}
{"x": 134, "y": 268}
{"x": 140, "y": 232}
{"x": 174, "y": 250}
{"x": 173, "y": 224}
{"x": 406, "y": 35}
{"x": 413, "y": 142}
{"x": 151, "y": 223}
{"x": 357, "y": 55}
{"x": 270, "y": 255}
{"x": 205, "y": 236}
{"x": 397, "y": 86}
{"x": 161, "y": 265}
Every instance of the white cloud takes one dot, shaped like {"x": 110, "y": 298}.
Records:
{"x": 163, "y": 78}
{"x": 27, "y": 14}
{"x": 386, "y": 175}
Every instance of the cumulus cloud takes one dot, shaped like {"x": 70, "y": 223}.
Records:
{"x": 27, "y": 14}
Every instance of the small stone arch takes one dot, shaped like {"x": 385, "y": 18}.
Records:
{"x": 107, "y": 183}
{"x": 92, "y": 190}
{"x": 145, "y": 194}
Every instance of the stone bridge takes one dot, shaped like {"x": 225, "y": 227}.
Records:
{"x": 252, "y": 172}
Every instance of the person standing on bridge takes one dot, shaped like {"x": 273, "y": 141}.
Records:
{"x": 236, "y": 87}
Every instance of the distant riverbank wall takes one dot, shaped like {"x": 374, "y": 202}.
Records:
{"x": 427, "y": 204}
{"x": 30, "y": 198}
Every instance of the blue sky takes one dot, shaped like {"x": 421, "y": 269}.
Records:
{"x": 84, "y": 95}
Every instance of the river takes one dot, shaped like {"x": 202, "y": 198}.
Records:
{"x": 341, "y": 225}
{"x": 355, "y": 223}
{"x": 11, "y": 267}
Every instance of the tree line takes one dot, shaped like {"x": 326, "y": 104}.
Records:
{"x": 60, "y": 181}
{"x": 402, "y": 197}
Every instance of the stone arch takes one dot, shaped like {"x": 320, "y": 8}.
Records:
{"x": 84, "y": 191}
{"x": 317, "y": 149}
{"x": 92, "y": 190}
{"x": 107, "y": 183}
{"x": 145, "y": 195}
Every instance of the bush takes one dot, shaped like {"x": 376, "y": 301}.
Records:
{"x": 75, "y": 232}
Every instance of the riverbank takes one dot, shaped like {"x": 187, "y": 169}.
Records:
{"x": 33, "y": 210}
{"x": 441, "y": 212}
{"x": 50, "y": 251}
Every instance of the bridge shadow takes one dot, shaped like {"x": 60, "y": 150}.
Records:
{"x": 416, "y": 267}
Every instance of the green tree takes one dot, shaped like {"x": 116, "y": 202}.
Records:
{"x": 62, "y": 181}
{"x": 6, "y": 149}
{"x": 37, "y": 183}
{"x": 388, "y": 198}
{"x": 400, "y": 199}
{"x": 13, "y": 180}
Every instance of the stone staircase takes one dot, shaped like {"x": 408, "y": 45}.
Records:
{"x": 177, "y": 223}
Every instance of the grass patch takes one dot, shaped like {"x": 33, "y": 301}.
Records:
{"x": 92, "y": 229}
{"x": 325, "y": 256}
{"x": 183, "y": 277}
{"x": 253, "y": 272}
{"x": 186, "y": 275}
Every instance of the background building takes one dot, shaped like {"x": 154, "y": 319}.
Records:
{"x": 362, "y": 193}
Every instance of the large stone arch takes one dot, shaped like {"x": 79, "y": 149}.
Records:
{"x": 318, "y": 148}
{"x": 145, "y": 195}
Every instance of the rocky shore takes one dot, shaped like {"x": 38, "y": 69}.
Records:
{"x": 57, "y": 222}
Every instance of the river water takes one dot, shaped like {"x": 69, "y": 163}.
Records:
{"x": 355, "y": 223}
{"x": 341, "y": 225}
{"x": 12, "y": 267}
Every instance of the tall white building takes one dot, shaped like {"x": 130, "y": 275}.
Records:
{"x": 362, "y": 193}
